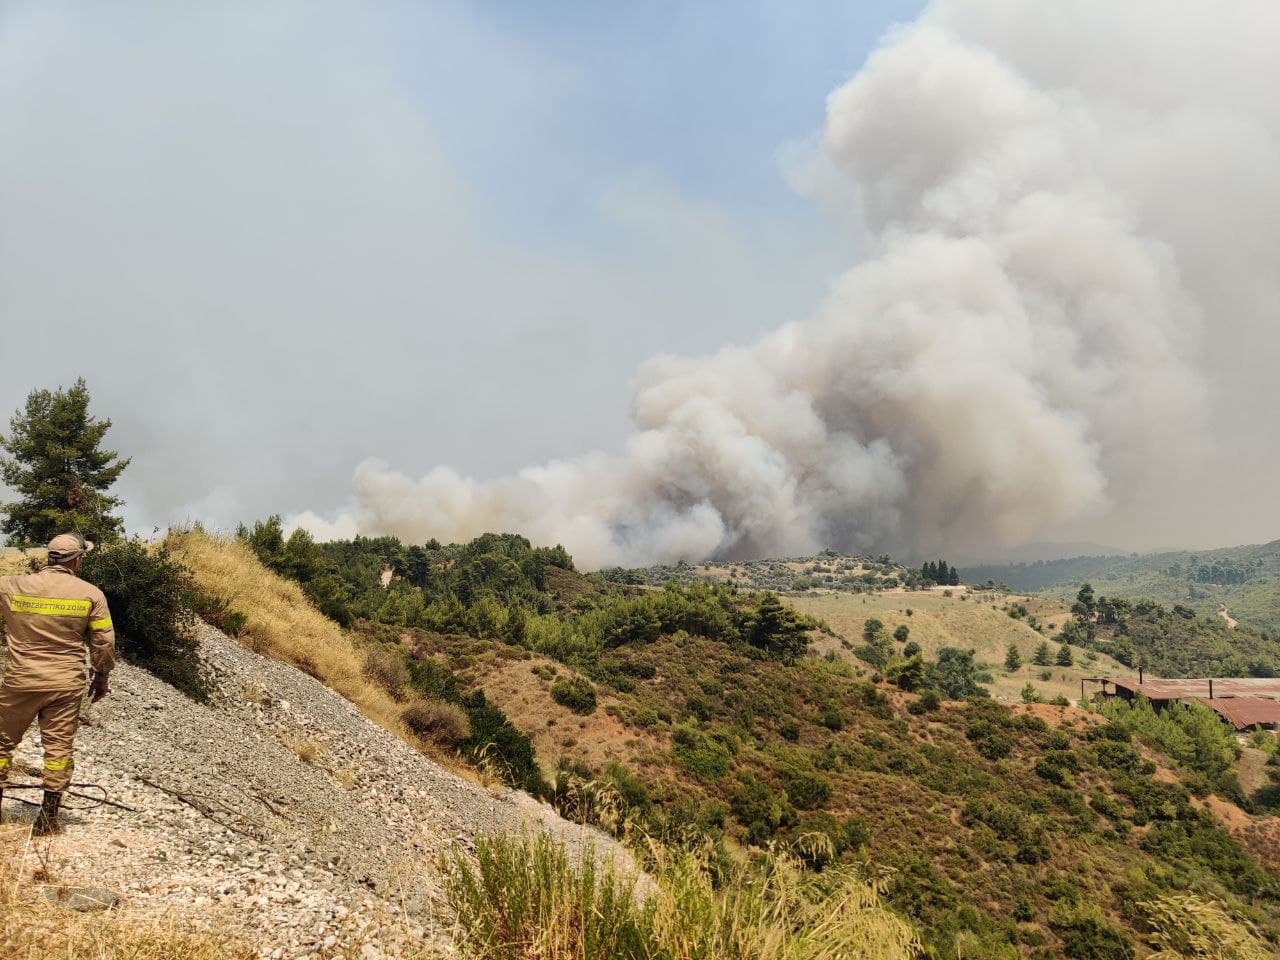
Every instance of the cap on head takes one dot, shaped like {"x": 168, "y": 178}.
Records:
{"x": 68, "y": 546}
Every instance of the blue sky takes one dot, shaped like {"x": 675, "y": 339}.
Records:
{"x": 701, "y": 95}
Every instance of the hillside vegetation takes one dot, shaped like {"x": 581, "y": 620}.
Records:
{"x": 985, "y": 622}
{"x": 1246, "y": 580}
{"x": 699, "y": 714}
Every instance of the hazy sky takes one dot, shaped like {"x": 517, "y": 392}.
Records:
{"x": 952, "y": 278}
{"x": 280, "y": 238}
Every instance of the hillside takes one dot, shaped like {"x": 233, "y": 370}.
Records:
{"x": 706, "y": 713}
{"x": 276, "y": 816}
{"x": 1244, "y": 580}
{"x": 828, "y": 571}
{"x": 976, "y": 620}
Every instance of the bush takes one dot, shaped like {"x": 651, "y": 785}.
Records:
{"x": 151, "y": 596}
{"x": 955, "y": 675}
{"x": 494, "y": 740}
{"x": 576, "y": 693}
{"x": 218, "y": 613}
{"x": 387, "y": 669}
{"x": 440, "y": 722}
{"x": 832, "y": 719}
{"x": 1058, "y": 766}
{"x": 760, "y": 810}
{"x": 809, "y": 791}
{"x": 1085, "y": 936}
{"x": 705, "y": 758}
{"x": 929, "y": 701}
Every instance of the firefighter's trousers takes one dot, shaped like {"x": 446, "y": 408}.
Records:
{"x": 59, "y": 715}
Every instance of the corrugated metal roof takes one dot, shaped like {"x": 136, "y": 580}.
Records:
{"x": 1244, "y": 712}
{"x": 1268, "y": 687}
{"x": 1241, "y": 701}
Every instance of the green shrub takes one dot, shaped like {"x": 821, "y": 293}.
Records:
{"x": 705, "y": 758}
{"x": 1058, "y": 766}
{"x": 494, "y": 740}
{"x": 151, "y": 595}
{"x": 218, "y": 613}
{"x": 955, "y": 675}
{"x": 808, "y": 791}
{"x": 1091, "y": 939}
{"x": 433, "y": 679}
{"x": 576, "y": 693}
{"x": 762, "y": 811}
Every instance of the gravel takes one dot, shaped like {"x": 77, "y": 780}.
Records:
{"x": 277, "y": 812}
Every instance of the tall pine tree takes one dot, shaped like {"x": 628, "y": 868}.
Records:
{"x": 58, "y": 469}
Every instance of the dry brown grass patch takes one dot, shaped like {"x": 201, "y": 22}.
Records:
{"x": 281, "y": 623}
{"x": 443, "y": 723}
{"x": 306, "y": 748}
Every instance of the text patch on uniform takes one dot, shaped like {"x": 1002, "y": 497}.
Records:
{"x": 49, "y": 606}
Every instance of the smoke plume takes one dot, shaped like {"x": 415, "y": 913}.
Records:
{"x": 1071, "y": 228}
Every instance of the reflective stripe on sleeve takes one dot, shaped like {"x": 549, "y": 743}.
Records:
{"x": 103, "y": 624}
{"x": 50, "y": 606}
{"x": 57, "y": 764}
{"x": 4, "y": 762}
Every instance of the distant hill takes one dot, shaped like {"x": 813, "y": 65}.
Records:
{"x": 1043, "y": 551}
{"x": 1244, "y": 580}
{"x": 827, "y": 571}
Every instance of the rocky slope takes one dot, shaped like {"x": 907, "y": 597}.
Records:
{"x": 277, "y": 813}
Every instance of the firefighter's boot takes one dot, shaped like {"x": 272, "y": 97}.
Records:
{"x": 47, "y": 819}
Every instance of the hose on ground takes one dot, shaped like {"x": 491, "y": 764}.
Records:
{"x": 94, "y": 799}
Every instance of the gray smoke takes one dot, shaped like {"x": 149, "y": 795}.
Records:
{"x": 1066, "y": 310}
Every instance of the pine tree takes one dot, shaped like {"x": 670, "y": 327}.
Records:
{"x": 1012, "y": 658}
{"x": 1084, "y": 606}
{"x": 1043, "y": 657}
{"x": 1064, "y": 658}
{"x": 953, "y": 578}
{"x": 58, "y": 470}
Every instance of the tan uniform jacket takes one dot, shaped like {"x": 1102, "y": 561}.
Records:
{"x": 47, "y": 618}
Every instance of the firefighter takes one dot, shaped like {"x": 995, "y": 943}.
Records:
{"x": 48, "y": 616}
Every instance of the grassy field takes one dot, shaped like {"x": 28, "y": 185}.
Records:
{"x": 970, "y": 620}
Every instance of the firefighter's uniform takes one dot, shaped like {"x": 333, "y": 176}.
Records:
{"x": 48, "y": 617}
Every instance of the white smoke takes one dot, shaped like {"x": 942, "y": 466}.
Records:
{"x": 1069, "y": 209}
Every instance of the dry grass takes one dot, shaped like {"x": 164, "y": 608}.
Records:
{"x": 444, "y": 723}
{"x": 938, "y": 621}
{"x": 528, "y": 898}
{"x": 33, "y": 928}
{"x": 306, "y": 748}
{"x": 18, "y": 562}
{"x": 1187, "y": 927}
{"x": 281, "y": 623}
